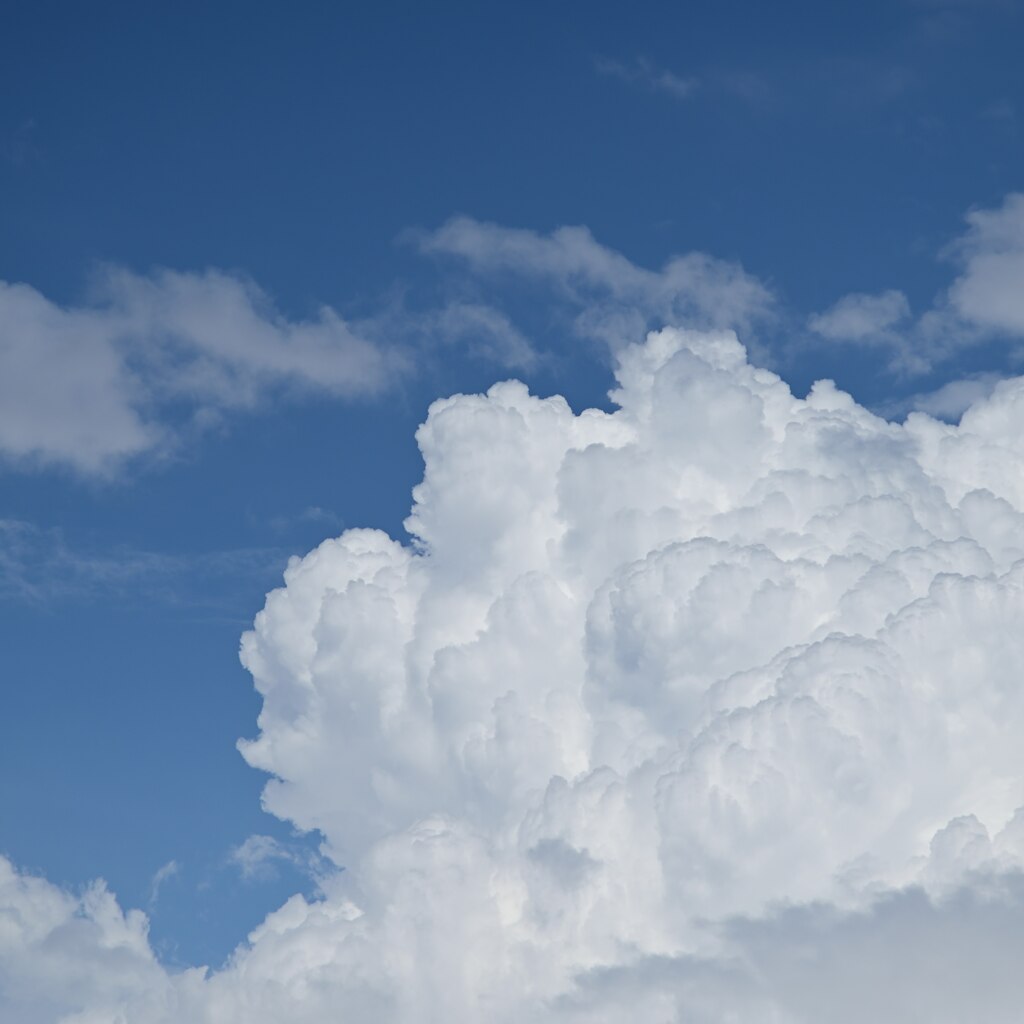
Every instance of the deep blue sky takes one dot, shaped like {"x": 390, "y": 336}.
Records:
{"x": 828, "y": 148}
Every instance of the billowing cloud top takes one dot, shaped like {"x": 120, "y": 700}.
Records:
{"x": 706, "y": 709}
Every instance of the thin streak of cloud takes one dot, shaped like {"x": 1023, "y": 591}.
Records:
{"x": 39, "y": 566}
{"x": 259, "y": 859}
{"x": 163, "y": 874}
{"x": 613, "y": 299}
{"x": 645, "y": 73}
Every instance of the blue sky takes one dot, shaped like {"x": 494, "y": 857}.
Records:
{"x": 288, "y": 160}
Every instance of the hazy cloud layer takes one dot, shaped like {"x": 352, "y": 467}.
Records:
{"x": 706, "y": 709}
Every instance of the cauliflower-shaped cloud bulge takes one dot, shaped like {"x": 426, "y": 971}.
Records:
{"x": 705, "y": 709}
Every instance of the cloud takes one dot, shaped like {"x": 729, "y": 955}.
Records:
{"x": 490, "y": 334}
{"x": 311, "y": 515}
{"x": 40, "y": 565}
{"x": 256, "y": 857}
{"x": 163, "y": 874}
{"x": 645, "y": 73}
{"x": 706, "y": 708}
{"x": 77, "y": 958}
{"x": 93, "y": 385}
{"x": 982, "y": 304}
{"x": 990, "y": 289}
{"x": 905, "y": 958}
{"x": 149, "y": 360}
{"x": 614, "y": 299}
{"x": 862, "y": 318}
{"x": 259, "y": 858}
{"x": 952, "y": 399}
{"x": 985, "y": 301}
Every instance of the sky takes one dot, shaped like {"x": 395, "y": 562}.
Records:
{"x": 246, "y": 255}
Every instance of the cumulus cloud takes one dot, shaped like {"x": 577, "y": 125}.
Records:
{"x": 77, "y": 958}
{"x": 89, "y": 386}
{"x": 703, "y": 709}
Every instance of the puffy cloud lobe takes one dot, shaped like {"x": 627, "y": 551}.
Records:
{"x": 77, "y": 959}
{"x": 704, "y": 709}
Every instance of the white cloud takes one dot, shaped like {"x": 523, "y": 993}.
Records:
{"x": 77, "y": 959}
{"x": 150, "y": 357}
{"x": 489, "y": 333}
{"x": 985, "y": 301}
{"x": 324, "y": 518}
{"x": 615, "y": 300}
{"x": 953, "y": 398}
{"x": 260, "y": 856}
{"x": 256, "y": 857}
{"x": 705, "y": 709}
{"x": 39, "y": 564}
{"x": 990, "y": 289}
{"x": 162, "y": 875}
{"x": 65, "y": 392}
{"x": 92, "y": 385}
{"x": 862, "y": 318}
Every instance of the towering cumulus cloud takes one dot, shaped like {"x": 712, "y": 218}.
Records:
{"x": 708, "y": 709}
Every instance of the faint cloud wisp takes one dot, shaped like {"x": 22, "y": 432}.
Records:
{"x": 645, "y": 73}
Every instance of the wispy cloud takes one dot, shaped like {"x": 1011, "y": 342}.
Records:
{"x": 162, "y": 875}
{"x": 92, "y": 385}
{"x": 39, "y": 565}
{"x": 953, "y": 398}
{"x": 311, "y": 515}
{"x": 863, "y": 318}
{"x": 645, "y": 73}
{"x": 20, "y": 148}
{"x": 149, "y": 360}
{"x": 983, "y": 303}
{"x": 609, "y": 297}
{"x": 260, "y": 857}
